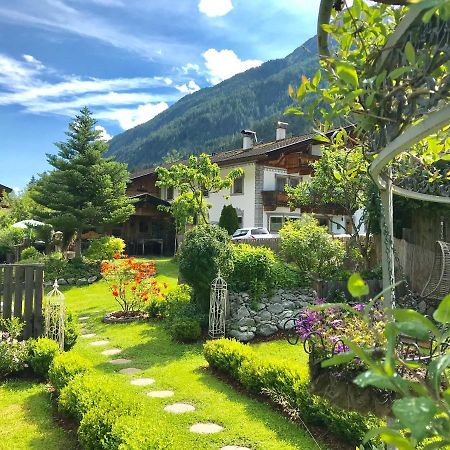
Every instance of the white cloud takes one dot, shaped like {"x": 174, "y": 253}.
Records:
{"x": 105, "y": 136}
{"x": 188, "y": 88}
{"x": 215, "y": 8}
{"x": 130, "y": 118}
{"x": 166, "y": 80}
{"x": 189, "y": 66}
{"x": 224, "y": 64}
{"x": 32, "y": 59}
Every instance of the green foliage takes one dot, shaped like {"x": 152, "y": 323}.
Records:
{"x": 13, "y": 354}
{"x": 229, "y": 219}
{"x": 71, "y": 330}
{"x": 252, "y": 270}
{"x": 65, "y": 367}
{"x": 104, "y": 248}
{"x": 197, "y": 177}
{"x": 75, "y": 268}
{"x": 109, "y": 417}
{"x": 205, "y": 251}
{"x": 84, "y": 189}
{"x": 289, "y": 382}
{"x": 9, "y": 237}
{"x": 309, "y": 246}
{"x": 41, "y": 354}
{"x": 31, "y": 254}
{"x": 211, "y": 119}
{"x": 185, "y": 329}
{"x": 184, "y": 320}
{"x": 420, "y": 408}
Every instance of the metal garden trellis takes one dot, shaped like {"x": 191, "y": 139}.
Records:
{"x": 217, "y": 307}
{"x": 55, "y": 315}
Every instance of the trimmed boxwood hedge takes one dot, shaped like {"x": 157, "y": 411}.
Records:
{"x": 109, "y": 418}
{"x": 261, "y": 374}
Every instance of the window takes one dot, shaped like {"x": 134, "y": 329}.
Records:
{"x": 258, "y": 231}
{"x": 275, "y": 224}
{"x": 143, "y": 226}
{"x": 205, "y": 193}
{"x": 240, "y": 232}
{"x": 323, "y": 221}
{"x": 293, "y": 182}
{"x": 240, "y": 221}
{"x": 169, "y": 193}
{"x": 238, "y": 186}
{"x": 281, "y": 183}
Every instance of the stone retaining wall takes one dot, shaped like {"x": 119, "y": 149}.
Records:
{"x": 246, "y": 320}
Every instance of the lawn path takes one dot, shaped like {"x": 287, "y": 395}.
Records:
{"x": 174, "y": 381}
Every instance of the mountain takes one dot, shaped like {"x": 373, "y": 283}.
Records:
{"x": 210, "y": 120}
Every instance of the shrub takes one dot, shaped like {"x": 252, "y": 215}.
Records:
{"x": 13, "y": 354}
{"x": 71, "y": 331}
{"x": 96, "y": 402}
{"x": 184, "y": 320}
{"x": 252, "y": 270}
{"x": 289, "y": 382}
{"x": 31, "y": 254}
{"x": 185, "y": 329}
{"x": 309, "y": 246}
{"x": 41, "y": 354}
{"x": 205, "y": 250}
{"x": 76, "y": 268}
{"x": 132, "y": 282}
{"x": 65, "y": 367}
{"x": 229, "y": 219}
{"x": 105, "y": 248}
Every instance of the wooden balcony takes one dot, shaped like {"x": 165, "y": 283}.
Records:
{"x": 273, "y": 199}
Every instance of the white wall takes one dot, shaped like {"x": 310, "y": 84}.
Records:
{"x": 244, "y": 202}
{"x": 270, "y": 174}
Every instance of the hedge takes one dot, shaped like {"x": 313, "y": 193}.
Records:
{"x": 261, "y": 374}
{"x": 109, "y": 418}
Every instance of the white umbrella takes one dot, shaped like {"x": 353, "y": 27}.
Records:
{"x": 23, "y": 224}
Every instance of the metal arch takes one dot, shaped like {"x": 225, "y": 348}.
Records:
{"x": 433, "y": 122}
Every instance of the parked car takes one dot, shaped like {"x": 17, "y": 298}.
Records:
{"x": 252, "y": 233}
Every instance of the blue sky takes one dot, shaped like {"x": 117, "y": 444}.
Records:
{"x": 127, "y": 60}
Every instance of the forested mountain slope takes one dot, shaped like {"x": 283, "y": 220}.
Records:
{"x": 210, "y": 120}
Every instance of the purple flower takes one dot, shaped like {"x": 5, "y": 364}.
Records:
{"x": 359, "y": 307}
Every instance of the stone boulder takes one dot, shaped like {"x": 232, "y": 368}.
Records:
{"x": 243, "y": 336}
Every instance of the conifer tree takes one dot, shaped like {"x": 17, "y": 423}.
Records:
{"x": 229, "y": 219}
{"x": 84, "y": 189}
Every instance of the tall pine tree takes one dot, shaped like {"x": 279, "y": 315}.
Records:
{"x": 84, "y": 190}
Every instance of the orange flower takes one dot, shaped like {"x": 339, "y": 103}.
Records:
{"x": 115, "y": 294}
{"x": 133, "y": 288}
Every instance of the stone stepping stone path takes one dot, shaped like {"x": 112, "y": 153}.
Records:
{"x": 88, "y": 335}
{"x": 179, "y": 408}
{"x": 120, "y": 361}
{"x": 111, "y": 352}
{"x": 205, "y": 428}
{"x": 160, "y": 394}
{"x": 142, "y": 381}
{"x": 130, "y": 371}
{"x": 234, "y": 447}
{"x": 83, "y": 318}
{"x": 99, "y": 343}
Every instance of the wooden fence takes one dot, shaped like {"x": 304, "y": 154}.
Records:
{"x": 21, "y": 294}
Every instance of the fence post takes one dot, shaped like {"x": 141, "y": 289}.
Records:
{"x": 38, "y": 296}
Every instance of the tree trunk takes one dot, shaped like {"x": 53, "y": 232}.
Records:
{"x": 78, "y": 245}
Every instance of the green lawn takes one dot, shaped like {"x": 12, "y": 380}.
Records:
{"x": 182, "y": 368}
{"x": 27, "y": 417}
{"x": 26, "y": 420}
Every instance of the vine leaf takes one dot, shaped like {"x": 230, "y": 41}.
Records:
{"x": 357, "y": 286}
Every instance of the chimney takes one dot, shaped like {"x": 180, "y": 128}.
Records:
{"x": 281, "y": 131}
{"x": 249, "y": 138}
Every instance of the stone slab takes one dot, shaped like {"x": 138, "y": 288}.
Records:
{"x": 120, "y": 361}
{"x": 111, "y": 351}
{"x": 160, "y": 394}
{"x": 99, "y": 343}
{"x": 142, "y": 381}
{"x": 130, "y": 371}
{"x": 88, "y": 335}
{"x": 83, "y": 318}
{"x": 205, "y": 428}
{"x": 179, "y": 408}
